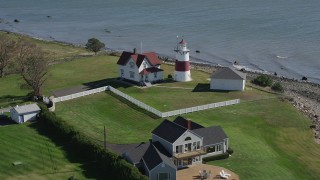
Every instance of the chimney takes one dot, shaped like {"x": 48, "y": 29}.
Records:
{"x": 134, "y": 50}
{"x": 189, "y": 124}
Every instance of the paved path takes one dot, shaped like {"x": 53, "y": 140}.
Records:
{"x": 3, "y": 110}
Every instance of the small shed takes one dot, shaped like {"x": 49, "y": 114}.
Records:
{"x": 21, "y": 114}
{"x": 228, "y": 79}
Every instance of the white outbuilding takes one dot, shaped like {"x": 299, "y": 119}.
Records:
{"x": 21, "y": 114}
{"x": 228, "y": 79}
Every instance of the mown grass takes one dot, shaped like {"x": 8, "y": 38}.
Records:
{"x": 41, "y": 158}
{"x": 271, "y": 139}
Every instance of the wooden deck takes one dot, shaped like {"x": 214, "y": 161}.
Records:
{"x": 192, "y": 172}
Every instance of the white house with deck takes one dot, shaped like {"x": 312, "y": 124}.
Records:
{"x": 140, "y": 68}
{"x": 21, "y": 114}
{"x": 228, "y": 79}
{"x": 176, "y": 145}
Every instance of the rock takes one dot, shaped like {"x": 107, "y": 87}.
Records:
{"x": 304, "y": 78}
{"x": 197, "y": 51}
{"x": 16, "y": 21}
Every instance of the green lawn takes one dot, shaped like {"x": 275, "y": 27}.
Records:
{"x": 271, "y": 139}
{"x": 40, "y": 157}
{"x": 61, "y": 76}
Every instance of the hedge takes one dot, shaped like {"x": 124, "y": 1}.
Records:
{"x": 109, "y": 164}
{"x": 216, "y": 157}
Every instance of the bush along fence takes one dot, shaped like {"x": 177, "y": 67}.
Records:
{"x": 144, "y": 106}
{"x": 110, "y": 165}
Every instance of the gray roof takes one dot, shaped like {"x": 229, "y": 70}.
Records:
{"x": 137, "y": 151}
{"x": 228, "y": 73}
{"x": 169, "y": 131}
{"x": 153, "y": 157}
{"x": 211, "y": 135}
{"x": 27, "y": 108}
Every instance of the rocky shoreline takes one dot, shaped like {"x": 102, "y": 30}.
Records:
{"x": 303, "y": 95}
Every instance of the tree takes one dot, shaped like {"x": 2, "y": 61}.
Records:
{"x": 34, "y": 68}
{"x": 7, "y": 48}
{"x": 94, "y": 45}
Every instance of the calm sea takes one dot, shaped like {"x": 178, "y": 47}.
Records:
{"x": 280, "y": 36}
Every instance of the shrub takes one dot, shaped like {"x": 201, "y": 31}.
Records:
{"x": 111, "y": 165}
{"x": 217, "y": 157}
{"x": 277, "y": 87}
{"x": 230, "y": 150}
{"x": 169, "y": 76}
{"x": 263, "y": 80}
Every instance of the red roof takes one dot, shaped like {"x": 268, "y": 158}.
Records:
{"x": 138, "y": 58}
{"x": 182, "y": 42}
{"x": 150, "y": 70}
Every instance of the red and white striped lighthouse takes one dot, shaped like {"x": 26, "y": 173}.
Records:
{"x": 182, "y": 65}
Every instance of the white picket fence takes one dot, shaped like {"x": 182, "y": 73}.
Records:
{"x": 145, "y": 106}
{"x": 80, "y": 94}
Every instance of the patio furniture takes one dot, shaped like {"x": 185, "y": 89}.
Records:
{"x": 225, "y": 173}
{"x": 223, "y": 176}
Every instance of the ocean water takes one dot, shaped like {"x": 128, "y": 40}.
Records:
{"x": 276, "y": 35}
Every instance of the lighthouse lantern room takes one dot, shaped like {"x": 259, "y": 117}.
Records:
{"x": 182, "y": 65}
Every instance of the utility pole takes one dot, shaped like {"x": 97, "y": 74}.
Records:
{"x": 104, "y": 134}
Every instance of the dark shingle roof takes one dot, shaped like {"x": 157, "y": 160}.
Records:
{"x": 152, "y": 57}
{"x": 153, "y": 157}
{"x": 169, "y": 131}
{"x": 136, "y": 153}
{"x": 211, "y": 135}
{"x": 228, "y": 73}
{"x": 184, "y": 123}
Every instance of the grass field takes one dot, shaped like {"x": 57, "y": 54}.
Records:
{"x": 61, "y": 76}
{"x": 57, "y": 50}
{"x": 271, "y": 139}
{"x": 40, "y": 157}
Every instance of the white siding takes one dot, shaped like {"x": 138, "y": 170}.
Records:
{"x": 26, "y": 117}
{"x": 127, "y": 69}
{"x": 181, "y": 140}
{"x": 227, "y": 84}
{"x": 14, "y": 115}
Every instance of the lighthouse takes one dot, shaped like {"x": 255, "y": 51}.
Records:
{"x": 182, "y": 65}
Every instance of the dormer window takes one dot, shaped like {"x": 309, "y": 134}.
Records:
{"x": 187, "y": 139}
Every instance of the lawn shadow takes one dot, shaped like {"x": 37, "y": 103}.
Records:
{"x": 133, "y": 106}
{"x": 11, "y": 100}
{"x": 89, "y": 168}
{"x": 205, "y": 87}
{"x": 5, "y": 120}
{"x": 114, "y": 82}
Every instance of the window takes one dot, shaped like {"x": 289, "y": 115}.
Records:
{"x": 187, "y": 139}
{"x": 155, "y": 75}
{"x": 198, "y": 145}
{"x": 131, "y": 64}
{"x": 163, "y": 176}
{"x": 179, "y": 149}
{"x": 131, "y": 74}
{"x": 121, "y": 71}
{"x": 144, "y": 65}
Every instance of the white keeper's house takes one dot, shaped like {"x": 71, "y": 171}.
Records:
{"x": 228, "y": 79}
{"x": 21, "y": 114}
{"x": 140, "y": 68}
